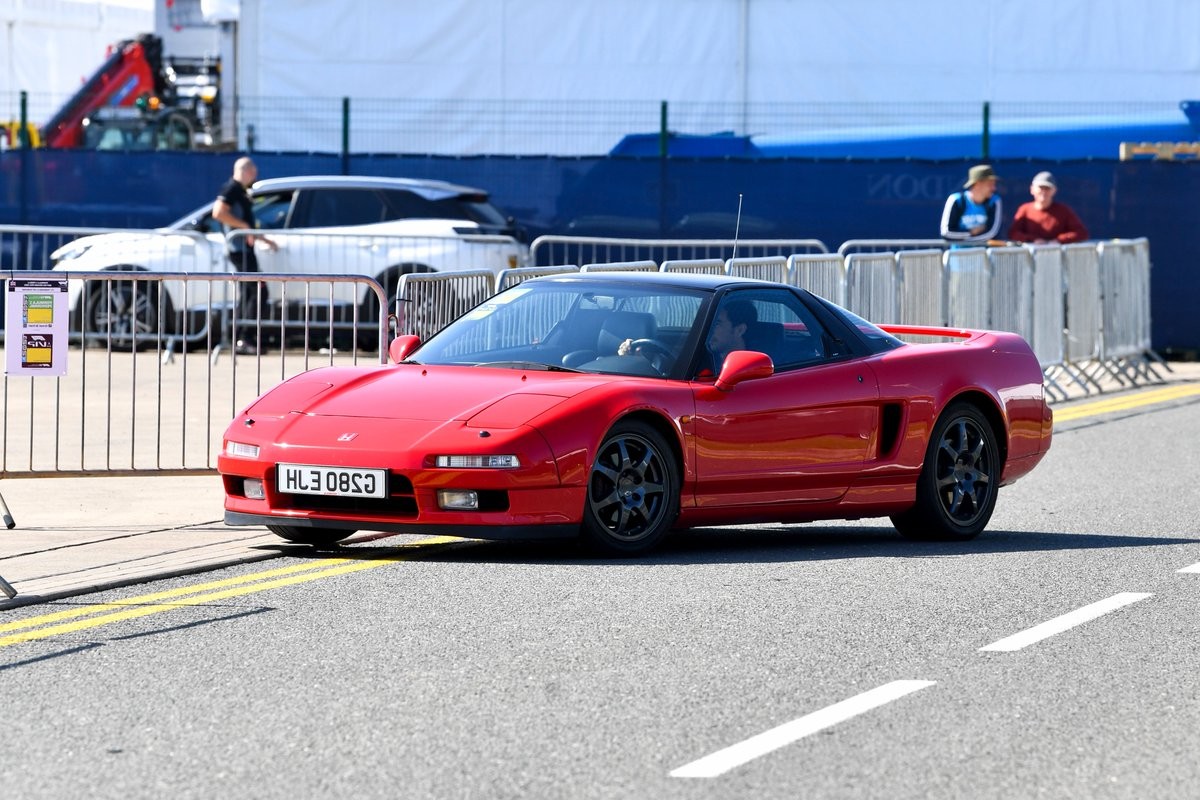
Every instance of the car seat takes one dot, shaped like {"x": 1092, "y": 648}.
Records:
{"x": 616, "y": 328}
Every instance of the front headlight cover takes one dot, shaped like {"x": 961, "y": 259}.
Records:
{"x": 478, "y": 462}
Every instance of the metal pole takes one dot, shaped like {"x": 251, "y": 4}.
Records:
{"x": 664, "y": 146}
{"x": 23, "y": 130}
{"x": 8, "y": 519}
{"x": 5, "y": 586}
{"x": 24, "y": 144}
{"x": 664, "y": 137}
{"x": 345, "y": 135}
{"x": 987, "y": 113}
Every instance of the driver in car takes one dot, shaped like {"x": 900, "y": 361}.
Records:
{"x": 728, "y": 332}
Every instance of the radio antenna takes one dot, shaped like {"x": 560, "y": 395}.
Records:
{"x": 737, "y": 226}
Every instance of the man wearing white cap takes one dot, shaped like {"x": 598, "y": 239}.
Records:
{"x": 972, "y": 216}
{"x": 1044, "y": 219}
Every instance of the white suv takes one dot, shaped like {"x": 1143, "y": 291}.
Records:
{"x": 381, "y": 228}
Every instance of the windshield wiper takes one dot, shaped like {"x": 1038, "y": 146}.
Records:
{"x": 527, "y": 365}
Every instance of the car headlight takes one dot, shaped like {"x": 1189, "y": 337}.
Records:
{"x": 241, "y": 449}
{"x": 69, "y": 252}
{"x": 478, "y": 462}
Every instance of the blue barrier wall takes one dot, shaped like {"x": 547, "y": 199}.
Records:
{"x": 831, "y": 200}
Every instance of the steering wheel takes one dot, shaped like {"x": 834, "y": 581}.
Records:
{"x": 654, "y": 351}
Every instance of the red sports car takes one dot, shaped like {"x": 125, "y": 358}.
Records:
{"x": 618, "y": 406}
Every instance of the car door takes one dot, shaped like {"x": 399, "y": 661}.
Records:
{"x": 799, "y": 435}
{"x": 320, "y": 237}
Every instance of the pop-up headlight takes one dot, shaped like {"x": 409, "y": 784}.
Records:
{"x": 478, "y": 462}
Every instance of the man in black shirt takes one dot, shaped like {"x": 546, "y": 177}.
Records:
{"x": 234, "y": 210}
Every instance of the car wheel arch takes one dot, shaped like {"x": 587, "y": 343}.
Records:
{"x": 986, "y": 405}
{"x": 157, "y": 292}
{"x": 661, "y": 426}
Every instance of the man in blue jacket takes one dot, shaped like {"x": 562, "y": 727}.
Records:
{"x": 972, "y": 216}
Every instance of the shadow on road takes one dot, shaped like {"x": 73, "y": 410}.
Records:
{"x": 786, "y": 543}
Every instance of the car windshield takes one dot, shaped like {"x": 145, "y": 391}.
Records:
{"x": 578, "y": 326}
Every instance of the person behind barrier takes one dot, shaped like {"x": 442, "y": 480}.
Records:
{"x": 972, "y": 216}
{"x": 235, "y": 211}
{"x": 1044, "y": 219}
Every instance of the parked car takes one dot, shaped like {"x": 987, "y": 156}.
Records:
{"x": 588, "y": 404}
{"x": 381, "y": 228}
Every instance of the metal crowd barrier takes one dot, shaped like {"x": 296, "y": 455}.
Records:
{"x": 820, "y": 273}
{"x": 147, "y": 389}
{"x": 29, "y": 247}
{"x": 889, "y": 245}
{"x": 375, "y": 255}
{"x": 148, "y": 397}
{"x": 1049, "y": 316}
{"x": 872, "y": 286}
{"x": 1084, "y": 308}
{"x": 921, "y": 291}
{"x": 709, "y": 266}
{"x": 764, "y": 268}
{"x": 601, "y": 250}
{"x": 621, "y": 266}
{"x": 429, "y": 301}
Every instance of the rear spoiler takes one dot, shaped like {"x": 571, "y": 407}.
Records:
{"x": 927, "y": 330}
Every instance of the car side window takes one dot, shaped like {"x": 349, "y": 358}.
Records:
{"x": 408, "y": 205}
{"x": 329, "y": 208}
{"x": 785, "y": 329}
{"x": 271, "y": 210}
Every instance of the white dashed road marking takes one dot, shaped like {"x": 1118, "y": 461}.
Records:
{"x": 1193, "y": 568}
{"x": 735, "y": 755}
{"x": 1065, "y": 622}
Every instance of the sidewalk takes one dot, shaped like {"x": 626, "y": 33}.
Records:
{"x": 79, "y": 535}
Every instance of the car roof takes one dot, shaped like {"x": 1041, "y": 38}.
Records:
{"x": 429, "y": 189}
{"x": 693, "y": 280}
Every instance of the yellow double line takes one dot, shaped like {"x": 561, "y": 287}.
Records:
{"x": 1126, "y": 402}
{"x": 79, "y": 619}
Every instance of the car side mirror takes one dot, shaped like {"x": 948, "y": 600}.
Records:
{"x": 402, "y": 347}
{"x": 743, "y": 365}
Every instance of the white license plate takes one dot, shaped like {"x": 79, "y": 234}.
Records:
{"x": 333, "y": 481}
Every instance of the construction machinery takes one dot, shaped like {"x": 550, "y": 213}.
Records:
{"x": 140, "y": 99}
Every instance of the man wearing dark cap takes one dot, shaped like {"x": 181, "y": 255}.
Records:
{"x": 972, "y": 216}
{"x": 1044, "y": 219}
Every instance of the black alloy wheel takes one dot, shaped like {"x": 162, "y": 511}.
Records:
{"x": 633, "y": 491}
{"x": 125, "y": 313}
{"x": 956, "y": 491}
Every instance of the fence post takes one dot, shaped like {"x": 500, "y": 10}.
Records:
{"x": 986, "y": 144}
{"x": 24, "y": 144}
{"x": 664, "y": 146}
{"x": 345, "y": 135}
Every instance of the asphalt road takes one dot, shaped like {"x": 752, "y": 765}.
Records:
{"x": 1055, "y": 656}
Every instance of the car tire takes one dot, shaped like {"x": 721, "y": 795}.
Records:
{"x": 126, "y": 312}
{"x": 959, "y": 481}
{"x": 318, "y": 537}
{"x": 633, "y": 491}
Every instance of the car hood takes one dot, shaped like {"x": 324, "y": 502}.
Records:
{"x": 82, "y": 252}
{"x": 478, "y": 396}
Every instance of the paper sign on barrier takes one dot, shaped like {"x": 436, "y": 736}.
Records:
{"x": 35, "y": 337}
